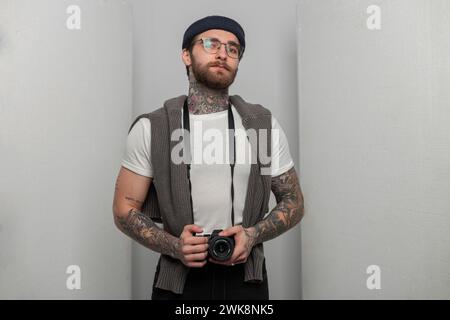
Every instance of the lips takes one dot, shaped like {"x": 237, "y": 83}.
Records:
{"x": 221, "y": 66}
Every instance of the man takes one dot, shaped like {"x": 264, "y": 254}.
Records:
{"x": 193, "y": 198}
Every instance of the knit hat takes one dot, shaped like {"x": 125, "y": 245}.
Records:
{"x": 214, "y": 22}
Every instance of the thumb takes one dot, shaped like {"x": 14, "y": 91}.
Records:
{"x": 230, "y": 231}
{"x": 193, "y": 228}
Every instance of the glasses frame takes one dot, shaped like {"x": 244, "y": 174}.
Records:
{"x": 220, "y": 46}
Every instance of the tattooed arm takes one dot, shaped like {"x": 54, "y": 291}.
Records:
{"x": 130, "y": 193}
{"x": 286, "y": 214}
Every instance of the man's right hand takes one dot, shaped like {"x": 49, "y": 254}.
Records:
{"x": 193, "y": 250}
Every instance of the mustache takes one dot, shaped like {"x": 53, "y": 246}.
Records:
{"x": 217, "y": 64}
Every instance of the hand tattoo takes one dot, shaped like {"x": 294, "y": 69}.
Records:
{"x": 250, "y": 233}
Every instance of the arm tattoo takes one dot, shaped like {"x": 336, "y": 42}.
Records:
{"x": 286, "y": 214}
{"x": 142, "y": 229}
{"x": 134, "y": 200}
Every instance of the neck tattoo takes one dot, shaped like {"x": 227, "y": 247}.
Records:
{"x": 202, "y": 100}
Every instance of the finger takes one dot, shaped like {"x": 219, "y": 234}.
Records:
{"x": 240, "y": 259}
{"x": 230, "y": 231}
{"x": 196, "y": 264}
{"x": 238, "y": 252}
{"x": 192, "y": 228}
{"x": 195, "y": 249}
{"x": 234, "y": 257}
{"x": 193, "y": 240}
{"x": 224, "y": 263}
{"x": 196, "y": 256}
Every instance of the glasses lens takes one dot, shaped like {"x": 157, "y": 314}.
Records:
{"x": 211, "y": 45}
{"x": 233, "y": 50}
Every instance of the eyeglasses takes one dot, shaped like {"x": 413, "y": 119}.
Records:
{"x": 213, "y": 45}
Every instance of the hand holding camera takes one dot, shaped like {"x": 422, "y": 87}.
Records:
{"x": 232, "y": 246}
{"x": 193, "y": 250}
{"x": 243, "y": 241}
{"x": 220, "y": 248}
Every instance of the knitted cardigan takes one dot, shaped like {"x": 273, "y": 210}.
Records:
{"x": 168, "y": 198}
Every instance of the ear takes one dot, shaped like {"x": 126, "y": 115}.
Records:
{"x": 186, "y": 57}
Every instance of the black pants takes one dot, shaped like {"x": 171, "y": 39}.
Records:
{"x": 216, "y": 282}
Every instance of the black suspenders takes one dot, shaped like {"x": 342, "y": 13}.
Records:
{"x": 187, "y": 149}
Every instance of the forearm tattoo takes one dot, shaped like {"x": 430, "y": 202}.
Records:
{"x": 142, "y": 229}
{"x": 286, "y": 214}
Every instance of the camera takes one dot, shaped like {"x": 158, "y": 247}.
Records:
{"x": 220, "y": 248}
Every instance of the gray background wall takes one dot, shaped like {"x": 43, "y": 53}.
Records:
{"x": 267, "y": 75}
{"x": 65, "y": 107}
{"x": 375, "y": 148}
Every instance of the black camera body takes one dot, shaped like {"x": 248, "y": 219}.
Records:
{"x": 220, "y": 248}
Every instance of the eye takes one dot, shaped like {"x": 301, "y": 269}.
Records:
{"x": 214, "y": 43}
{"x": 207, "y": 43}
{"x": 233, "y": 49}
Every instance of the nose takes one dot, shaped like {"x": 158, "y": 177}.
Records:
{"x": 222, "y": 52}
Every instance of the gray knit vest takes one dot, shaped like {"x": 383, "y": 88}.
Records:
{"x": 168, "y": 198}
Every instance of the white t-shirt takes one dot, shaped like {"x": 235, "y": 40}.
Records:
{"x": 211, "y": 181}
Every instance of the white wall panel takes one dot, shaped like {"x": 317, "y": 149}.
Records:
{"x": 65, "y": 108}
{"x": 375, "y": 148}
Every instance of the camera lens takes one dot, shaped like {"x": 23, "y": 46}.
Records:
{"x": 221, "y": 249}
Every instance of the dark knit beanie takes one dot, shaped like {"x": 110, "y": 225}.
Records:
{"x": 214, "y": 22}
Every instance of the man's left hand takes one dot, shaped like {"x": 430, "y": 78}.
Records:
{"x": 244, "y": 241}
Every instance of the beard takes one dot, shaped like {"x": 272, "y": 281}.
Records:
{"x": 217, "y": 79}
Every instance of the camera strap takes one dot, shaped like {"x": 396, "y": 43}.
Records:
{"x": 232, "y": 153}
